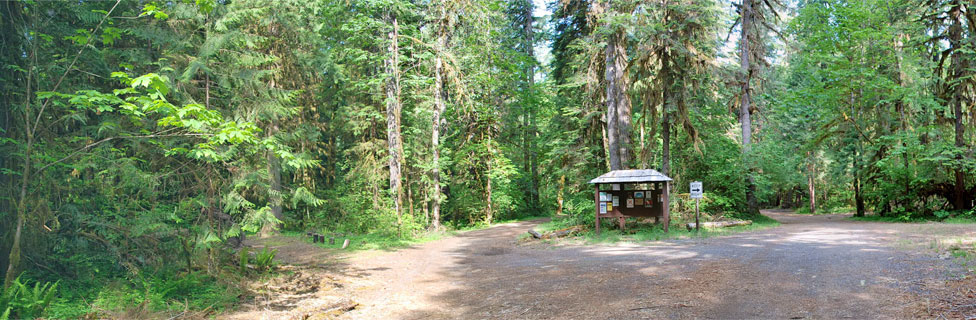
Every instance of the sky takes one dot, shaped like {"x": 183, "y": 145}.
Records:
{"x": 543, "y": 48}
{"x": 726, "y": 51}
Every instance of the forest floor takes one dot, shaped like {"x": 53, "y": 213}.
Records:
{"x": 810, "y": 267}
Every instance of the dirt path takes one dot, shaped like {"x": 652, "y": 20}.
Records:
{"x": 810, "y": 267}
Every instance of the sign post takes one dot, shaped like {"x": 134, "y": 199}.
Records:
{"x": 696, "y": 193}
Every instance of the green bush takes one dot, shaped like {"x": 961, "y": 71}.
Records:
{"x": 23, "y": 301}
{"x": 167, "y": 292}
{"x": 264, "y": 260}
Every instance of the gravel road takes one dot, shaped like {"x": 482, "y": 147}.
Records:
{"x": 810, "y": 267}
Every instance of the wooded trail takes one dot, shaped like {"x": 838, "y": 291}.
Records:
{"x": 822, "y": 266}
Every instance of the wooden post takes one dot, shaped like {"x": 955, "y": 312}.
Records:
{"x": 621, "y": 221}
{"x": 667, "y": 205}
{"x": 596, "y": 197}
{"x": 697, "y": 223}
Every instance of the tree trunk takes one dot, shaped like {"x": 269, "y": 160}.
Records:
{"x": 489, "y": 213}
{"x": 274, "y": 179}
{"x": 610, "y": 76}
{"x": 13, "y": 262}
{"x": 528, "y": 47}
{"x": 666, "y": 144}
{"x": 559, "y": 195}
{"x": 858, "y": 198}
{"x": 719, "y": 224}
{"x": 623, "y": 105}
{"x": 667, "y": 80}
{"x": 811, "y": 179}
{"x": 393, "y": 108}
{"x": 436, "y": 124}
{"x": 746, "y": 104}
{"x": 959, "y": 66}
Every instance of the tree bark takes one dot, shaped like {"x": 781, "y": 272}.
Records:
{"x": 719, "y": 224}
{"x": 489, "y": 212}
{"x": 13, "y": 260}
{"x": 623, "y": 105}
{"x": 745, "y": 107}
{"x": 667, "y": 79}
{"x": 531, "y": 134}
{"x": 959, "y": 66}
{"x": 436, "y": 124}
{"x": 274, "y": 179}
{"x": 811, "y": 175}
{"x": 610, "y": 76}
{"x": 666, "y": 144}
{"x": 393, "y": 108}
{"x": 858, "y": 198}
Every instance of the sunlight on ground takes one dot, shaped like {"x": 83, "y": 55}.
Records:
{"x": 660, "y": 253}
{"x": 830, "y": 236}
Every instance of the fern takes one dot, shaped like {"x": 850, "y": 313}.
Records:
{"x": 264, "y": 260}
{"x": 244, "y": 255}
{"x": 27, "y": 302}
{"x": 302, "y": 195}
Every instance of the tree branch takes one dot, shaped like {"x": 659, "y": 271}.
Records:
{"x": 72, "y": 65}
{"x": 83, "y": 149}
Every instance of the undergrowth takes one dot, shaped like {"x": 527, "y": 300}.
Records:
{"x": 961, "y": 219}
{"x": 637, "y": 231}
{"x": 151, "y": 296}
{"x": 390, "y": 242}
{"x": 824, "y": 210}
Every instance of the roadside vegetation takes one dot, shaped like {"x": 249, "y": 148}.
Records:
{"x": 644, "y": 229}
{"x": 144, "y": 144}
{"x": 939, "y": 216}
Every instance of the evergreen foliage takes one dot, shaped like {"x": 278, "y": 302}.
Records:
{"x": 142, "y": 142}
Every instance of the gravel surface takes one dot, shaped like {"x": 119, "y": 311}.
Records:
{"x": 810, "y": 267}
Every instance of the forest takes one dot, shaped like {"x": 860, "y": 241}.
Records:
{"x": 143, "y": 142}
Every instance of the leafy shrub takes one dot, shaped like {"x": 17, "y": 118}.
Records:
{"x": 166, "y": 292}
{"x": 244, "y": 255}
{"x": 23, "y": 301}
{"x": 264, "y": 260}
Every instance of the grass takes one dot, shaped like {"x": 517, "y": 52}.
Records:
{"x": 375, "y": 241}
{"x": 902, "y": 219}
{"x": 643, "y": 232}
{"x": 832, "y": 210}
{"x": 960, "y": 220}
{"x": 156, "y": 296}
{"x": 389, "y": 242}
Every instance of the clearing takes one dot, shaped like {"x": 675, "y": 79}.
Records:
{"x": 810, "y": 267}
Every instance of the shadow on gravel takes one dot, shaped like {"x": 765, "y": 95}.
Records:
{"x": 807, "y": 268}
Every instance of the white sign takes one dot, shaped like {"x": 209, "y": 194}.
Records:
{"x": 696, "y": 190}
{"x": 616, "y": 201}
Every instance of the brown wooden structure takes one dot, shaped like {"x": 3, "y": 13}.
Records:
{"x": 632, "y": 193}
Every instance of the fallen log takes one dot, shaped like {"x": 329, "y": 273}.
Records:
{"x": 720, "y": 224}
{"x": 555, "y": 234}
{"x": 567, "y": 231}
{"x": 535, "y": 234}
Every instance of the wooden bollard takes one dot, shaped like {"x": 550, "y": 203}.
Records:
{"x": 315, "y": 238}
{"x": 331, "y": 241}
{"x": 345, "y": 243}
